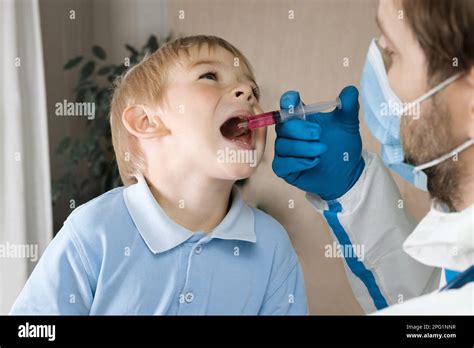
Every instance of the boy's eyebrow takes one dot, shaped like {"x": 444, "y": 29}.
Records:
{"x": 220, "y": 64}
{"x": 207, "y": 61}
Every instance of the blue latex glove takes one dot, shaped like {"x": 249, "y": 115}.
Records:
{"x": 321, "y": 154}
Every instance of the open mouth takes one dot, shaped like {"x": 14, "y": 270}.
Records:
{"x": 231, "y": 130}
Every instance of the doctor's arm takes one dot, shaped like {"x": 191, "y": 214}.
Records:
{"x": 357, "y": 197}
{"x": 370, "y": 219}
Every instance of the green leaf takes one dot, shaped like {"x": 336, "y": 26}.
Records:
{"x": 75, "y": 154}
{"x": 132, "y": 49}
{"x": 84, "y": 184}
{"x": 120, "y": 70}
{"x": 93, "y": 149}
{"x": 81, "y": 95}
{"x": 63, "y": 145}
{"x": 89, "y": 96}
{"x": 56, "y": 189}
{"x": 105, "y": 70}
{"x": 152, "y": 44}
{"x": 72, "y": 62}
{"x": 87, "y": 70}
{"x": 85, "y": 84}
{"x": 99, "y": 52}
{"x": 135, "y": 59}
{"x": 98, "y": 168}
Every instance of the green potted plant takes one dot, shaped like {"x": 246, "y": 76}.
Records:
{"x": 94, "y": 148}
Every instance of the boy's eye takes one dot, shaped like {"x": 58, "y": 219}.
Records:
{"x": 256, "y": 92}
{"x": 212, "y": 75}
{"x": 209, "y": 75}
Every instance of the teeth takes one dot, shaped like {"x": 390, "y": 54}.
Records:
{"x": 243, "y": 125}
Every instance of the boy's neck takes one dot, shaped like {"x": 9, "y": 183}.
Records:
{"x": 196, "y": 203}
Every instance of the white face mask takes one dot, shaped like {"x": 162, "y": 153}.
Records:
{"x": 443, "y": 239}
{"x": 376, "y": 92}
{"x": 421, "y": 180}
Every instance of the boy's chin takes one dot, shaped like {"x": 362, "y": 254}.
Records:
{"x": 237, "y": 171}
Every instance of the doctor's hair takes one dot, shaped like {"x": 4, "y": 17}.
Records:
{"x": 144, "y": 84}
{"x": 444, "y": 30}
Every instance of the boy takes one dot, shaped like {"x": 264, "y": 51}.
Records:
{"x": 177, "y": 239}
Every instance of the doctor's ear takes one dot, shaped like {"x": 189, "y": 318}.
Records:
{"x": 139, "y": 122}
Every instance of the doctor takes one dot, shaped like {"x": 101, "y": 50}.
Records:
{"x": 417, "y": 90}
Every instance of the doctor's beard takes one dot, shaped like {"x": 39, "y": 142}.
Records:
{"x": 429, "y": 137}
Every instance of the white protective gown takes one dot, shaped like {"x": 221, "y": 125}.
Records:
{"x": 402, "y": 264}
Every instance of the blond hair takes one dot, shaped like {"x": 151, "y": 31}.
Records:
{"x": 144, "y": 84}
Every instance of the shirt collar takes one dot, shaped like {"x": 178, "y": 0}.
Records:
{"x": 444, "y": 239}
{"x": 161, "y": 233}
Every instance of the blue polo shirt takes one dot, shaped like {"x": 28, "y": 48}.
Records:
{"x": 121, "y": 254}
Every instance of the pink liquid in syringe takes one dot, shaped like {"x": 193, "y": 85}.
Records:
{"x": 261, "y": 120}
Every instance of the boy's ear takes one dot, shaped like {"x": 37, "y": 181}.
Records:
{"x": 141, "y": 124}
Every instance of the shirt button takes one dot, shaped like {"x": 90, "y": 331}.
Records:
{"x": 189, "y": 297}
{"x": 198, "y": 249}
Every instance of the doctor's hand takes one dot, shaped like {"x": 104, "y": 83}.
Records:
{"x": 321, "y": 154}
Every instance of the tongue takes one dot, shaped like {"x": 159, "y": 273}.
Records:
{"x": 231, "y": 130}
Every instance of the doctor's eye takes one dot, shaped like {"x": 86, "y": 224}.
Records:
{"x": 210, "y": 75}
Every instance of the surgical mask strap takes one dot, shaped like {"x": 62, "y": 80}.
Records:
{"x": 443, "y": 158}
{"x": 431, "y": 92}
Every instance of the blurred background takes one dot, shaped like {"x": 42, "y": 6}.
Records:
{"x": 56, "y": 50}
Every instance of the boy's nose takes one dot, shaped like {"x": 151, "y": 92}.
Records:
{"x": 243, "y": 92}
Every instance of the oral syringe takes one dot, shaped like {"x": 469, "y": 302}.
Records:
{"x": 298, "y": 112}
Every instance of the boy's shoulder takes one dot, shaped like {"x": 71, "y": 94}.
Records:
{"x": 269, "y": 231}
{"x": 112, "y": 197}
{"x": 108, "y": 208}
{"x": 101, "y": 223}
{"x": 274, "y": 243}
